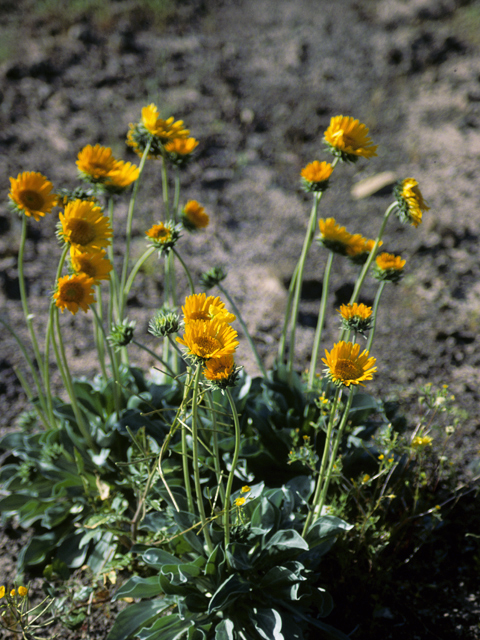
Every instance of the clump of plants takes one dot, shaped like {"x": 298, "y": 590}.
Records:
{"x": 217, "y": 493}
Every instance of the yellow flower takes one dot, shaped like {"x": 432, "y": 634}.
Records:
{"x": 381, "y": 456}
{"x": 333, "y": 236}
{"x": 121, "y": 176}
{"x": 165, "y": 130}
{"x": 84, "y": 226}
{"x": 12, "y": 593}
{"x": 2, "y": 592}
{"x": 246, "y": 489}
{"x": 365, "y": 478}
{"x": 200, "y": 307}
{"x": 239, "y": 502}
{"x": 194, "y": 216}
{"x": 209, "y": 339}
{"x": 419, "y": 442}
{"x": 94, "y": 265}
{"x": 179, "y": 150}
{"x": 163, "y": 236}
{"x": 31, "y": 194}
{"x": 345, "y": 364}
{"x": 388, "y": 267}
{"x": 348, "y": 139}
{"x": 359, "y": 248}
{"x": 74, "y": 292}
{"x": 95, "y": 163}
{"x": 411, "y": 204}
{"x": 357, "y": 317}
{"x": 22, "y": 591}
{"x": 220, "y": 370}
{"x": 315, "y": 175}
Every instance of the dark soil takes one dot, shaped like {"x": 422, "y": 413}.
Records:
{"x": 257, "y": 82}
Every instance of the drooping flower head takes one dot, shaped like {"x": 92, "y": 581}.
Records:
{"x": 194, "y": 217}
{"x": 94, "y": 163}
{"x": 74, "y": 292}
{"x": 221, "y": 372}
{"x": 333, "y": 236}
{"x": 121, "y": 176}
{"x": 164, "y": 236}
{"x": 411, "y": 204}
{"x": 180, "y": 150}
{"x": 347, "y": 366}
{"x": 31, "y": 194}
{"x": 84, "y": 226}
{"x": 359, "y": 248}
{"x": 209, "y": 339}
{"x": 348, "y": 139}
{"x": 94, "y": 265}
{"x": 199, "y": 306}
{"x": 388, "y": 267}
{"x": 315, "y": 176}
{"x": 356, "y": 317}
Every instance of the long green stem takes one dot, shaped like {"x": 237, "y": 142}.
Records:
{"x": 282, "y": 345}
{"x": 176, "y": 197}
{"x": 321, "y": 320}
{"x": 114, "y": 285}
{"x": 113, "y": 363}
{"x": 98, "y": 336}
{"x": 196, "y": 469}
{"x": 133, "y": 273}
{"x": 187, "y": 271}
{"x": 154, "y": 355}
{"x": 307, "y": 243}
{"x": 186, "y": 471}
{"x": 231, "y": 475}
{"x": 216, "y": 457}
{"x": 128, "y": 240}
{"x": 166, "y": 199}
{"x": 374, "y": 314}
{"x": 323, "y": 465}
{"x": 245, "y": 330}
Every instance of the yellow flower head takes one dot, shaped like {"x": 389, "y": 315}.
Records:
{"x": 2, "y": 592}
{"x": 411, "y": 204}
{"x": 165, "y": 130}
{"x": 245, "y": 489}
{"x": 94, "y": 265}
{"x": 199, "y": 306}
{"x": 388, "y": 267}
{"x": 179, "y": 150}
{"x": 22, "y": 591}
{"x": 359, "y": 248}
{"x": 194, "y": 216}
{"x": 348, "y": 139}
{"x": 333, "y": 236}
{"x": 121, "y": 176}
{"x": 346, "y": 365}
{"x": 356, "y": 317}
{"x": 163, "y": 236}
{"x": 84, "y": 226}
{"x": 420, "y": 442}
{"x": 209, "y": 339}
{"x": 221, "y": 371}
{"x": 31, "y": 194}
{"x": 315, "y": 176}
{"x": 74, "y": 292}
{"x": 12, "y": 593}
{"x": 95, "y": 163}
{"x": 239, "y": 502}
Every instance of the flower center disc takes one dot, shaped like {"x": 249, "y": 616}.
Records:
{"x": 73, "y": 293}
{"x": 206, "y": 345}
{"x": 32, "y": 199}
{"x": 347, "y": 370}
{"x": 87, "y": 267}
{"x": 81, "y": 231}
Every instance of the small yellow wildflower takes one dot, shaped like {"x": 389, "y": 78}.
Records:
{"x": 31, "y": 194}
{"x": 179, "y": 150}
{"x": 381, "y": 456}
{"x": 365, "y": 478}
{"x": 12, "y": 593}
{"x": 95, "y": 163}
{"x": 121, "y": 176}
{"x": 74, "y": 292}
{"x": 163, "y": 236}
{"x": 94, "y": 265}
{"x": 388, "y": 267}
{"x": 346, "y": 365}
{"x": 165, "y": 130}
{"x": 209, "y": 339}
{"x": 84, "y": 226}
{"x": 2, "y": 592}
{"x": 419, "y": 442}
{"x": 356, "y": 317}
{"x": 411, "y": 204}
{"x": 221, "y": 371}
{"x": 22, "y": 591}
{"x": 199, "y": 306}
{"x": 333, "y": 236}
{"x": 359, "y": 248}
{"x": 348, "y": 139}
{"x": 194, "y": 216}
{"x": 246, "y": 489}
{"x": 315, "y": 176}
{"x": 239, "y": 502}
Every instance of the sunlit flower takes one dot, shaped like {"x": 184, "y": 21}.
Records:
{"x": 239, "y": 502}
{"x": 365, "y": 478}
{"x": 121, "y": 176}
{"x": 209, "y": 339}
{"x": 95, "y": 163}
{"x": 346, "y": 365}
{"x": 315, "y": 176}
{"x": 179, "y": 150}
{"x": 165, "y": 130}
{"x": 2, "y": 592}
{"x": 388, "y": 267}
{"x": 163, "y": 236}
{"x": 22, "y": 591}
{"x": 348, "y": 139}
{"x": 333, "y": 236}
{"x": 74, "y": 292}
{"x": 199, "y": 306}
{"x": 31, "y": 194}
{"x": 12, "y": 593}
{"x": 94, "y": 265}
{"x": 420, "y": 442}
{"x": 194, "y": 216}
{"x": 359, "y": 248}
{"x": 84, "y": 227}
{"x": 411, "y": 204}
{"x": 356, "y": 317}
{"x": 221, "y": 371}
{"x": 245, "y": 489}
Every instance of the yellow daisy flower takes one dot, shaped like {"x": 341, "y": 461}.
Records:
{"x": 94, "y": 265}
{"x": 179, "y": 150}
{"x": 121, "y": 176}
{"x": 31, "y": 194}
{"x": 199, "y": 306}
{"x": 221, "y": 371}
{"x": 209, "y": 339}
{"x": 411, "y": 204}
{"x": 163, "y": 236}
{"x": 245, "y": 489}
{"x": 333, "y": 236}
{"x": 388, "y": 267}
{"x": 12, "y": 593}
{"x": 359, "y": 248}
{"x": 84, "y": 226}
{"x": 315, "y": 175}
{"x": 2, "y": 592}
{"x": 22, "y": 591}
{"x": 357, "y": 317}
{"x": 194, "y": 216}
{"x": 419, "y": 442}
{"x": 95, "y": 163}
{"x": 165, "y": 130}
{"x": 239, "y": 502}
{"x": 346, "y": 365}
{"x": 74, "y": 292}
{"x": 348, "y": 139}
